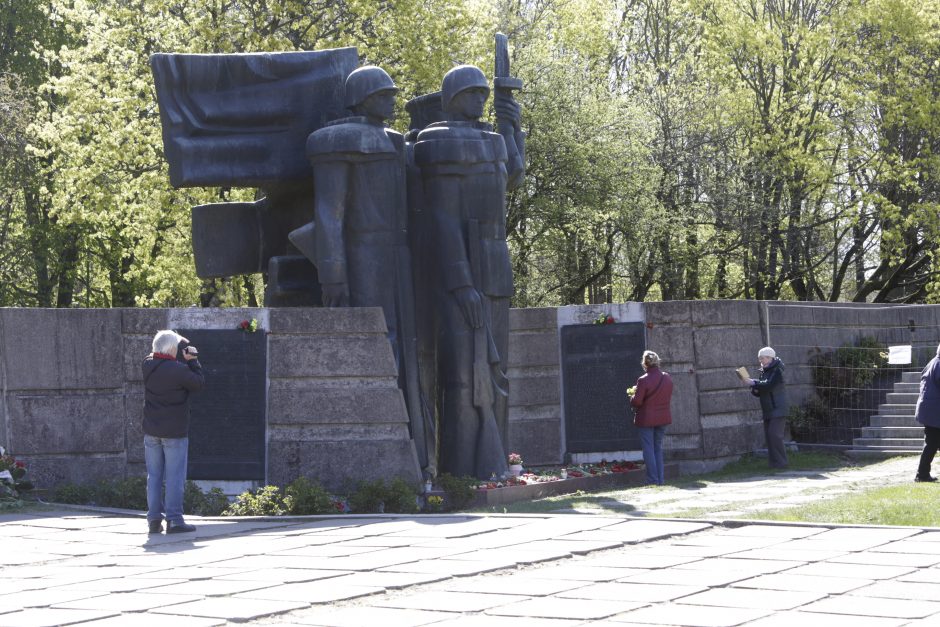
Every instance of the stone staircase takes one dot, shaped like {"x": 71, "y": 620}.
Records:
{"x": 893, "y": 430}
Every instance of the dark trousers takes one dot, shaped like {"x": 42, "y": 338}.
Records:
{"x": 931, "y": 444}
{"x": 776, "y": 451}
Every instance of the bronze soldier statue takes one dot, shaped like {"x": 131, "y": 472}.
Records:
{"x": 358, "y": 239}
{"x": 465, "y": 169}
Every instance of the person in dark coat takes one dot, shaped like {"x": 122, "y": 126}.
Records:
{"x": 168, "y": 382}
{"x": 771, "y": 391}
{"x": 927, "y": 413}
{"x": 651, "y": 400}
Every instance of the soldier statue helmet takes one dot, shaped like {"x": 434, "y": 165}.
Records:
{"x": 460, "y": 79}
{"x": 365, "y": 81}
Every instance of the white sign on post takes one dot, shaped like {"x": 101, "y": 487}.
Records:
{"x": 899, "y": 354}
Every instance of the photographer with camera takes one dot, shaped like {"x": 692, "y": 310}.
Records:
{"x": 171, "y": 372}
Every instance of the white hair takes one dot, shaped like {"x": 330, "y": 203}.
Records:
{"x": 650, "y": 359}
{"x": 166, "y": 342}
{"x": 767, "y": 352}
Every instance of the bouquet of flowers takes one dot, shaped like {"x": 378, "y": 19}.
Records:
{"x": 515, "y": 459}
{"x": 631, "y": 391}
{"x": 604, "y": 319}
{"x": 12, "y": 477}
{"x": 248, "y": 326}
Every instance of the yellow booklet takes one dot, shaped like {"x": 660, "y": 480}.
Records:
{"x": 742, "y": 372}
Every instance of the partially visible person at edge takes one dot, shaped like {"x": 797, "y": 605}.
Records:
{"x": 772, "y": 392}
{"x": 651, "y": 401}
{"x": 927, "y": 413}
{"x": 171, "y": 372}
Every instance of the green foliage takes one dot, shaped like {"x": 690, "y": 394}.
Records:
{"x": 266, "y": 501}
{"x": 199, "y": 503}
{"x": 400, "y": 498}
{"x": 309, "y": 497}
{"x": 131, "y": 493}
{"x": 373, "y": 497}
{"x": 843, "y": 373}
{"x": 804, "y": 419}
{"x": 460, "y": 491}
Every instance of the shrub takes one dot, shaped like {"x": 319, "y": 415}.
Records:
{"x": 460, "y": 491}
{"x": 841, "y": 374}
{"x": 368, "y": 497}
{"x": 266, "y": 501}
{"x": 195, "y": 501}
{"x": 309, "y": 497}
{"x": 400, "y": 498}
{"x": 805, "y": 419}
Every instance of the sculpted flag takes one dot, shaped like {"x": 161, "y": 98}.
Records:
{"x": 243, "y": 119}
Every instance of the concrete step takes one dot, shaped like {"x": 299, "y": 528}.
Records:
{"x": 910, "y": 377}
{"x": 893, "y": 421}
{"x": 907, "y": 387}
{"x": 881, "y": 433}
{"x": 888, "y": 443}
{"x": 896, "y": 409}
{"x": 901, "y": 398}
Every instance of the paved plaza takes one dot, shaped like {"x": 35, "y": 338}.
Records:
{"x": 73, "y": 567}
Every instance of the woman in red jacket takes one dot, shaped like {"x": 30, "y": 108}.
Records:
{"x": 651, "y": 402}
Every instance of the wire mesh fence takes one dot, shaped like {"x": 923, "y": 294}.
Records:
{"x": 839, "y": 373}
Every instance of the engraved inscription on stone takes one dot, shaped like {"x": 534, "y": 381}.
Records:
{"x": 599, "y": 363}
{"x": 226, "y": 433}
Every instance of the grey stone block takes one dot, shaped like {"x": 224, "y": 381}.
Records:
{"x": 325, "y": 356}
{"x": 77, "y": 348}
{"x": 669, "y": 312}
{"x": 534, "y": 318}
{"x": 304, "y": 403}
{"x": 535, "y": 412}
{"x": 534, "y": 349}
{"x": 725, "y": 313}
{"x": 67, "y": 423}
{"x": 535, "y": 391}
{"x": 47, "y": 472}
{"x": 136, "y": 349}
{"x": 726, "y": 348}
{"x": 327, "y": 321}
{"x": 538, "y": 441}
{"x": 338, "y": 465}
{"x": 672, "y": 344}
{"x": 228, "y": 318}
{"x": 722, "y": 379}
{"x": 133, "y": 423}
{"x": 144, "y": 321}
{"x": 784, "y": 314}
{"x": 684, "y": 405}
{"x": 726, "y": 441}
{"x": 727, "y": 401}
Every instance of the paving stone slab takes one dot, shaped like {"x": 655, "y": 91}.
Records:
{"x": 127, "y": 584}
{"x": 637, "y": 558}
{"x": 888, "y": 559}
{"x": 789, "y": 555}
{"x": 620, "y": 591}
{"x": 898, "y": 590}
{"x": 450, "y": 567}
{"x": 910, "y": 546}
{"x": 360, "y": 616}
{"x": 686, "y": 577}
{"x": 488, "y": 621}
{"x": 802, "y": 583}
{"x": 42, "y": 598}
{"x": 588, "y": 573}
{"x": 390, "y": 581}
{"x": 129, "y": 602}
{"x": 195, "y": 573}
{"x": 744, "y": 566}
{"x": 862, "y": 606}
{"x": 553, "y": 607}
{"x": 520, "y": 582}
{"x": 752, "y": 599}
{"x": 212, "y": 587}
{"x": 789, "y": 619}
{"x": 850, "y": 571}
{"x": 690, "y": 616}
{"x": 447, "y": 601}
{"x": 924, "y": 575}
{"x": 46, "y": 617}
{"x": 281, "y": 575}
{"x": 155, "y": 620}
{"x": 718, "y": 540}
{"x": 311, "y": 592}
{"x": 232, "y": 608}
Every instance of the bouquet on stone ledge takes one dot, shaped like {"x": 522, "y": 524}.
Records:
{"x": 248, "y": 326}
{"x": 12, "y": 477}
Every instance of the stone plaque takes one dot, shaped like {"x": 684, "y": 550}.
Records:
{"x": 227, "y": 429}
{"x": 599, "y": 362}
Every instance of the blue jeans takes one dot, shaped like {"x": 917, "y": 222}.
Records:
{"x": 651, "y": 439}
{"x": 166, "y": 459}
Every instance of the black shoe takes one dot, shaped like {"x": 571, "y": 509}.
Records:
{"x": 156, "y": 526}
{"x": 927, "y": 479}
{"x": 180, "y": 527}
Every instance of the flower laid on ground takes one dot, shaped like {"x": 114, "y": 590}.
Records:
{"x": 435, "y": 503}
{"x": 551, "y": 474}
{"x": 12, "y": 478}
{"x": 604, "y": 319}
{"x": 248, "y": 326}
{"x": 515, "y": 459}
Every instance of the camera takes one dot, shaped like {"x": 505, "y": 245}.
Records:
{"x": 191, "y": 350}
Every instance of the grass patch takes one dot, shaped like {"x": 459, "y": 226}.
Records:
{"x": 913, "y": 505}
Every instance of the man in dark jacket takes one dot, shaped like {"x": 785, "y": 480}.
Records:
{"x": 168, "y": 383}
{"x": 769, "y": 388}
{"x": 927, "y": 413}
